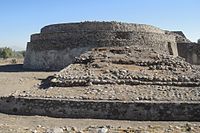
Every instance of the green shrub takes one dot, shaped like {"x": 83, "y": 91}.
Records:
{"x": 6, "y": 53}
{"x": 20, "y": 54}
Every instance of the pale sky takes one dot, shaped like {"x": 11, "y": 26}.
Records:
{"x": 21, "y": 18}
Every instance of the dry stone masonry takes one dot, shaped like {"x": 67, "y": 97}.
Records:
{"x": 127, "y": 65}
{"x": 190, "y": 51}
{"x": 57, "y": 45}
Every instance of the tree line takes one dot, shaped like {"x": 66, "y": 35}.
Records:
{"x": 7, "y": 52}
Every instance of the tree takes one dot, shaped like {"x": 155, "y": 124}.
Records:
{"x": 22, "y": 53}
{"x": 6, "y": 52}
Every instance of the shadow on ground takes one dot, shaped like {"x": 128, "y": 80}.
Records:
{"x": 12, "y": 68}
{"x": 46, "y": 83}
{"x": 18, "y": 68}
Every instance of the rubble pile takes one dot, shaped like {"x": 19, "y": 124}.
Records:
{"x": 127, "y": 66}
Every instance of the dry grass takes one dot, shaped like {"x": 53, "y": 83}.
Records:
{"x": 11, "y": 61}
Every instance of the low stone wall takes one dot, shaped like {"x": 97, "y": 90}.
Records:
{"x": 189, "y": 51}
{"x": 138, "y": 110}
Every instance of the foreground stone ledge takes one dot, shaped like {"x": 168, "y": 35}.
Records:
{"x": 102, "y": 109}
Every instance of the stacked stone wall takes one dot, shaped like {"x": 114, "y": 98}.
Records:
{"x": 190, "y": 51}
{"x": 138, "y": 110}
{"x": 103, "y": 26}
{"x": 57, "y": 45}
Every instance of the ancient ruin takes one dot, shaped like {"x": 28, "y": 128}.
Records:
{"x": 57, "y": 45}
{"x": 111, "y": 71}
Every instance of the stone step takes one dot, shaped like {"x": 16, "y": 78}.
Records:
{"x": 96, "y": 35}
{"x": 101, "y": 109}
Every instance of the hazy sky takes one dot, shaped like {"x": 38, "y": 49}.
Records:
{"x": 21, "y": 18}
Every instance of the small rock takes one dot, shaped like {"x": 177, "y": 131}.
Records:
{"x": 137, "y": 98}
{"x": 92, "y": 126}
{"x": 54, "y": 80}
{"x": 103, "y": 130}
{"x": 127, "y": 47}
{"x": 39, "y": 126}
{"x": 55, "y": 130}
{"x": 188, "y": 127}
{"x": 34, "y": 131}
{"x": 74, "y": 129}
{"x": 68, "y": 129}
{"x": 177, "y": 127}
{"x": 80, "y": 132}
{"x": 90, "y": 83}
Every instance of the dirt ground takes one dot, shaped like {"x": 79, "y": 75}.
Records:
{"x": 41, "y": 124}
{"x": 13, "y": 78}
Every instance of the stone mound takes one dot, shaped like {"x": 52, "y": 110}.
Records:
{"x": 127, "y": 66}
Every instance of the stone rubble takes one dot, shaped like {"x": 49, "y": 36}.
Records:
{"x": 122, "y": 69}
{"x": 126, "y": 74}
{"x": 180, "y": 128}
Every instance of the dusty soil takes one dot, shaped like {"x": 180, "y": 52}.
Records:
{"x": 13, "y": 78}
{"x": 38, "y": 124}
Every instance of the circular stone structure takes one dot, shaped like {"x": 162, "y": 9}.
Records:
{"x": 57, "y": 45}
